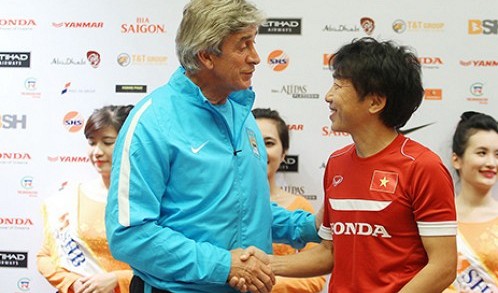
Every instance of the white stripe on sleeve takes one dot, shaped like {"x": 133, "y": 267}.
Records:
{"x": 448, "y": 228}
{"x": 124, "y": 172}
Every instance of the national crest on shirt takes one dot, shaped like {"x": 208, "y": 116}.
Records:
{"x": 384, "y": 181}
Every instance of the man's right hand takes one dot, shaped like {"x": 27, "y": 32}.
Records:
{"x": 252, "y": 272}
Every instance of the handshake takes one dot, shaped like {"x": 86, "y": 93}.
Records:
{"x": 251, "y": 271}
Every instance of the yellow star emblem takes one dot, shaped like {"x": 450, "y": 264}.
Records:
{"x": 384, "y": 181}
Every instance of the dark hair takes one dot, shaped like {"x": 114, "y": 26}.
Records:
{"x": 385, "y": 69}
{"x": 283, "y": 131}
{"x": 107, "y": 116}
{"x": 471, "y": 122}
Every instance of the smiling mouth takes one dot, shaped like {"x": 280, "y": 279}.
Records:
{"x": 488, "y": 174}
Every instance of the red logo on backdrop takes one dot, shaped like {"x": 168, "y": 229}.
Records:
{"x": 73, "y": 121}
{"x": 278, "y": 60}
{"x": 295, "y": 127}
{"x": 479, "y": 63}
{"x": 68, "y": 159}
{"x": 368, "y": 25}
{"x": 384, "y": 181}
{"x": 20, "y": 222}
{"x": 430, "y": 60}
{"x": 143, "y": 26}
{"x": 94, "y": 58}
{"x": 14, "y": 23}
{"x": 328, "y": 131}
{"x": 79, "y": 24}
{"x": 20, "y": 157}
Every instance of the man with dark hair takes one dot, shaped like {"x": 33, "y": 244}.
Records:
{"x": 389, "y": 223}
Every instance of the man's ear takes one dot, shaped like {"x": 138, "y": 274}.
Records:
{"x": 377, "y": 103}
{"x": 206, "y": 59}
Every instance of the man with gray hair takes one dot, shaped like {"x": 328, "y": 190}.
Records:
{"x": 189, "y": 189}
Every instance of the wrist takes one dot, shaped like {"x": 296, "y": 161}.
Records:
{"x": 276, "y": 264}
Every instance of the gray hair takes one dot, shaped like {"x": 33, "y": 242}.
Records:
{"x": 206, "y": 23}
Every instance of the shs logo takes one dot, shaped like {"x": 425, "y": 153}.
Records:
{"x": 73, "y": 121}
{"x": 278, "y": 60}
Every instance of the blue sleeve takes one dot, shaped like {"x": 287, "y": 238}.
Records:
{"x": 138, "y": 183}
{"x": 293, "y": 227}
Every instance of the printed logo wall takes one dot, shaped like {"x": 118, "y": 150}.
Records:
{"x": 58, "y": 65}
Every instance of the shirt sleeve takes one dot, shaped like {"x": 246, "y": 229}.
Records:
{"x": 155, "y": 251}
{"x": 433, "y": 197}
{"x": 300, "y": 285}
{"x": 295, "y": 228}
{"x": 325, "y": 231}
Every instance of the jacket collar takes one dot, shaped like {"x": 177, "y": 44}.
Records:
{"x": 180, "y": 81}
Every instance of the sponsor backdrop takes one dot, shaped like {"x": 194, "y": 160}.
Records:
{"x": 60, "y": 60}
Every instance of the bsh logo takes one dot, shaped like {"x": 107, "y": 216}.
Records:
{"x": 484, "y": 27}
{"x": 13, "y": 121}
